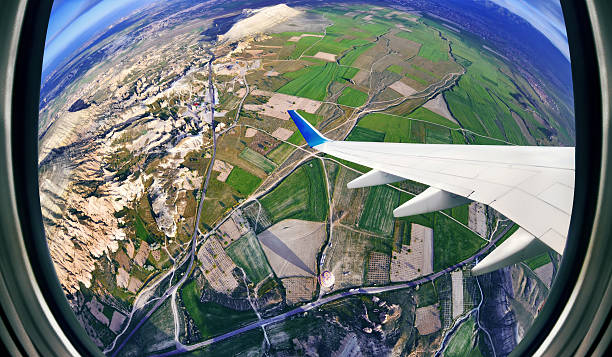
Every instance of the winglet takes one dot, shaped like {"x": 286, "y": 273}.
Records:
{"x": 313, "y": 136}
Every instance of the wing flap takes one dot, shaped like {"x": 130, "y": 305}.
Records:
{"x": 374, "y": 178}
{"x": 430, "y": 200}
{"x": 519, "y": 246}
{"x": 532, "y": 186}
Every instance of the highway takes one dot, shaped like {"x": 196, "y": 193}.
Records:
{"x": 194, "y": 237}
{"x": 334, "y": 297}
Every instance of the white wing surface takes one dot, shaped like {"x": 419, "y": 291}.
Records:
{"x": 533, "y": 186}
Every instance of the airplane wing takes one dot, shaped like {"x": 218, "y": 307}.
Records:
{"x": 531, "y": 185}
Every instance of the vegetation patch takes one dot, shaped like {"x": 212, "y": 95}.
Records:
{"x": 397, "y": 129}
{"x": 258, "y": 160}
{"x": 302, "y": 195}
{"x": 312, "y": 82}
{"x": 377, "y": 215}
{"x": 364, "y": 134}
{"x": 247, "y": 253}
{"x": 426, "y": 295}
{"x": 460, "y": 344}
{"x": 211, "y": 318}
{"x": 352, "y": 97}
{"x": 395, "y": 69}
{"x": 453, "y": 243}
{"x": 538, "y": 261}
{"x": 243, "y": 181}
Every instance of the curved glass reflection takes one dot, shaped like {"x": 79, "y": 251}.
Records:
{"x": 185, "y": 212}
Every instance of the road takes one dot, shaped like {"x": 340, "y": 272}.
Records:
{"x": 194, "y": 237}
{"x": 334, "y": 297}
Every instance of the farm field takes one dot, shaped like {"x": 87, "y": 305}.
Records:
{"x": 432, "y": 47}
{"x": 352, "y": 97}
{"x": 247, "y": 253}
{"x": 350, "y": 57}
{"x": 348, "y": 259}
{"x": 363, "y": 134}
{"x": 460, "y": 344}
{"x": 395, "y": 69}
{"x": 396, "y": 129}
{"x": 377, "y": 215}
{"x": 243, "y": 181}
{"x": 312, "y": 82}
{"x": 302, "y": 195}
{"x": 453, "y": 243}
{"x": 427, "y": 115}
{"x": 258, "y": 160}
{"x": 212, "y": 319}
{"x": 536, "y": 262}
{"x": 426, "y": 295}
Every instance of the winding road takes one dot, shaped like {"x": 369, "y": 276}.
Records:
{"x": 324, "y": 300}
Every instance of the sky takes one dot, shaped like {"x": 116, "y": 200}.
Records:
{"x": 544, "y": 15}
{"x": 73, "y": 22}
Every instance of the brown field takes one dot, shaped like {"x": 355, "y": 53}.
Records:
{"x": 370, "y": 56}
{"x": 282, "y": 134}
{"x": 403, "y": 88}
{"x": 217, "y": 266}
{"x": 299, "y": 289}
{"x": 438, "y": 105}
{"x": 292, "y": 245}
{"x": 233, "y": 228}
{"x": 263, "y": 143}
{"x": 378, "y": 268}
{"x": 223, "y": 169}
{"x": 325, "y": 56}
{"x": 278, "y": 105}
{"x": 416, "y": 259}
{"x": 347, "y": 202}
{"x": 427, "y": 320}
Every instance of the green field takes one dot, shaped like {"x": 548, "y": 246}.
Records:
{"x": 427, "y": 115}
{"x": 460, "y": 213}
{"x": 453, "y": 243}
{"x": 258, "y": 160}
{"x": 396, "y": 129}
{"x": 363, "y": 134}
{"x": 246, "y": 344}
{"x": 280, "y": 153}
{"x": 243, "y": 181}
{"x": 423, "y": 70}
{"x": 312, "y": 82}
{"x": 486, "y": 96}
{"x": 417, "y": 79}
{"x": 302, "y": 195}
{"x": 538, "y": 261}
{"x": 377, "y": 214}
{"x": 460, "y": 344}
{"x": 432, "y": 46}
{"x": 212, "y": 319}
{"x": 351, "y": 56}
{"x": 395, "y": 69}
{"x": 426, "y": 295}
{"x": 352, "y": 97}
{"x": 302, "y": 45}
{"x": 335, "y": 44}
{"x": 247, "y": 253}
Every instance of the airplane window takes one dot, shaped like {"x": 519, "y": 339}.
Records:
{"x": 306, "y": 178}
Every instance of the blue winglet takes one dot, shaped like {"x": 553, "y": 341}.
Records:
{"x": 313, "y": 136}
